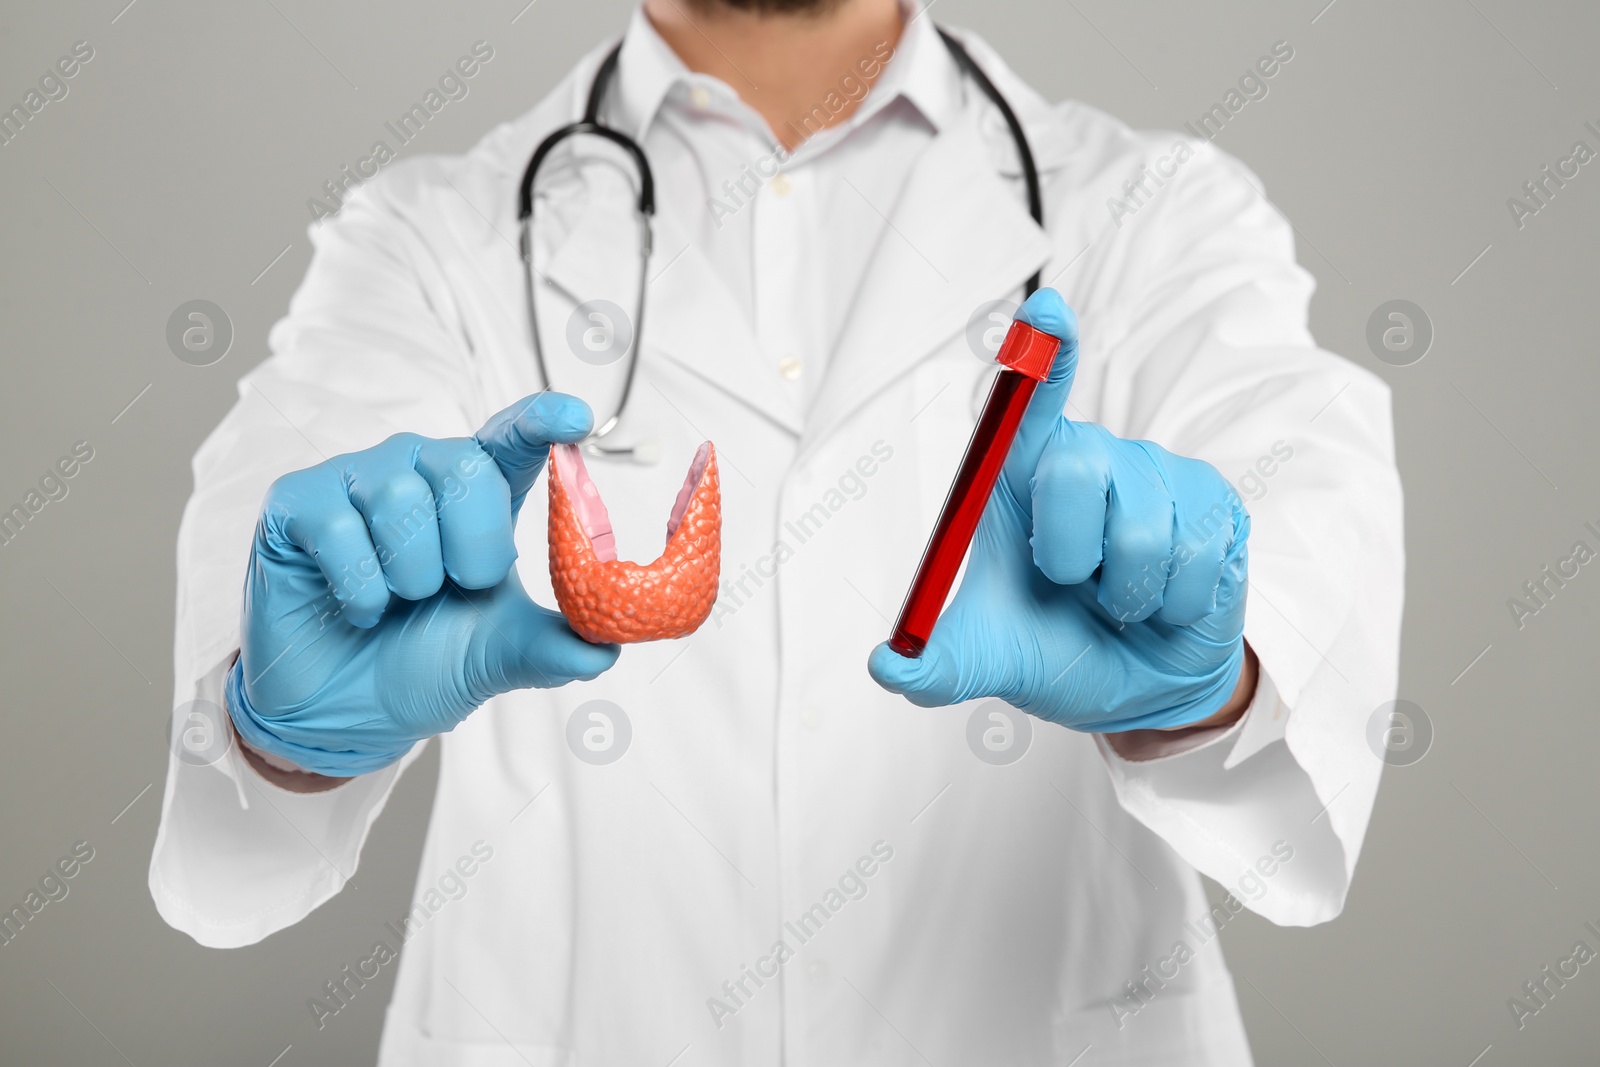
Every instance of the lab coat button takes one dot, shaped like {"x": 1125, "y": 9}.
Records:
{"x": 817, "y": 971}
{"x": 780, "y": 184}
{"x": 790, "y": 367}
{"x": 699, "y": 97}
{"x": 811, "y": 720}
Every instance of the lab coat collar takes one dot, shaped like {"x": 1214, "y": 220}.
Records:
{"x": 958, "y": 236}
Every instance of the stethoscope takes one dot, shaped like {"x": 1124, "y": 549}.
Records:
{"x": 645, "y": 209}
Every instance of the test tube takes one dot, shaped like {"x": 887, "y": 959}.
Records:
{"x": 1025, "y": 356}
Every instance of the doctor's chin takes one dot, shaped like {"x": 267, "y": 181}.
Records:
{"x": 799, "y": 533}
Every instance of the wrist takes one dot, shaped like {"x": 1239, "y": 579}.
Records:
{"x": 1244, "y": 691}
{"x": 275, "y": 769}
{"x": 1138, "y": 745}
{"x": 282, "y": 774}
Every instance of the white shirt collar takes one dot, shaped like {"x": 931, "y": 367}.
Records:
{"x": 920, "y": 71}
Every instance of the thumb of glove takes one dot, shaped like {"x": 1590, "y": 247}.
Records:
{"x": 517, "y": 644}
{"x": 929, "y": 681}
{"x": 519, "y": 438}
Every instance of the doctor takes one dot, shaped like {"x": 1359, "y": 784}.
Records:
{"x": 743, "y": 848}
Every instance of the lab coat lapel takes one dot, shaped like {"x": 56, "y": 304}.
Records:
{"x": 957, "y": 236}
{"x": 690, "y": 317}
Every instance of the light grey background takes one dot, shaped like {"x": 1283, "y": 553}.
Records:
{"x": 178, "y": 168}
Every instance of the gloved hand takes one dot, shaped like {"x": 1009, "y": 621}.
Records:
{"x": 1105, "y": 588}
{"x": 381, "y": 605}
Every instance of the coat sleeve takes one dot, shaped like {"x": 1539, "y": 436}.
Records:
{"x": 370, "y": 347}
{"x": 1207, "y": 351}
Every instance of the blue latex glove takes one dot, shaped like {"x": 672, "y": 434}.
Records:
{"x": 1105, "y": 588}
{"x": 381, "y": 605}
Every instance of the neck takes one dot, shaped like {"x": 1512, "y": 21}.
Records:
{"x": 802, "y": 71}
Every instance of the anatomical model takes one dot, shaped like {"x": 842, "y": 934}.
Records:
{"x": 607, "y": 599}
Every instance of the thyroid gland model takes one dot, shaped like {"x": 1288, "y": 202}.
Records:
{"x": 607, "y": 599}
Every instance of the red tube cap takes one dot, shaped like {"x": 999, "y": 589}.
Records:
{"x": 1028, "y": 351}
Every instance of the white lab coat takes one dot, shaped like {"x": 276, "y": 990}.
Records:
{"x": 1025, "y": 912}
